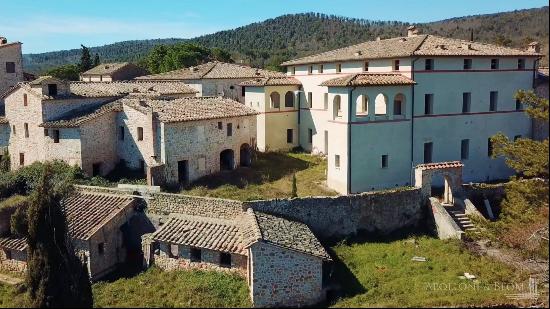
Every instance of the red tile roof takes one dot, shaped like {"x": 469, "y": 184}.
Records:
{"x": 440, "y": 165}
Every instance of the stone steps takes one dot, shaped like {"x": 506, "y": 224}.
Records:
{"x": 461, "y": 219}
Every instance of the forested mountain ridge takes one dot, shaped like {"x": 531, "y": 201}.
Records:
{"x": 278, "y": 39}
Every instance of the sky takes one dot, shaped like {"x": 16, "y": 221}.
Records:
{"x": 65, "y": 24}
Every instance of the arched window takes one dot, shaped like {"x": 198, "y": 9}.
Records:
{"x": 289, "y": 99}
{"x": 337, "y": 102}
{"x": 380, "y": 105}
{"x": 362, "y": 108}
{"x": 399, "y": 104}
{"x": 275, "y": 99}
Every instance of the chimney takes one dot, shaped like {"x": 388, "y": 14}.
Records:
{"x": 534, "y": 47}
{"x": 3, "y": 40}
{"x": 412, "y": 31}
{"x": 466, "y": 45}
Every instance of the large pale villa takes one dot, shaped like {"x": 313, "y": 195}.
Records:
{"x": 379, "y": 108}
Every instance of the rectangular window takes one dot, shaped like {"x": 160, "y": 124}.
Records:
{"x": 225, "y": 259}
{"x": 337, "y": 161}
{"x": 429, "y": 64}
{"x": 310, "y": 136}
{"x": 428, "y": 151}
{"x": 310, "y": 69}
{"x": 46, "y": 132}
{"x": 467, "y": 64}
{"x": 466, "y": 102}
{"x": 494, "y": 64}
{"x": 195, "y": 255}
{"x": 21, "y": 159}
{"x": 289, "y": 136}
{"x": 321, "y": 68}
{"x": 220, "y": 125}
{"x": 52, "y": 89}
{"x": 10, "y": 67}
{"x": 366, "y": 66}
{"x": 140, "y": 133}
{"x": 101, "y": 248}
{"x": 489, "y": 147}
{"x": 493, "y": 101}
{"x": 338, "y": 68}
{"x": 384, "y": 161}
{"x": 518, "y": 105}
{"x": 521, "y": 64}
{"x": 428, "y": 103}
{"x": 56, "y": 136}
{"x": 464, "y": 149}
{"x": 121, "y": 129}
{"x": 396, "y": 65}
{"x": 229, "y": 129}
{"x": 25, "y": 100}
{"x": 243, "y": 91}
{"x": 310, "y": 99}
{"x": 13, "y": 130}
{"x": 26, "y": 125}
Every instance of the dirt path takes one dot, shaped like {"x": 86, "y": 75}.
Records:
{"x": 9, "y": 280}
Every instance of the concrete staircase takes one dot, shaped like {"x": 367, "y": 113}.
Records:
{"x": 459, "y": 216}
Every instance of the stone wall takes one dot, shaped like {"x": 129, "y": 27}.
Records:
{"x": 98, "y": 142}
{"x": 379, "y": 212}
{"x": 17, "y": 262}
{"x": 180, "y": 258}
{"x": 166, "y": 203}
{"x": 284, "y": 278}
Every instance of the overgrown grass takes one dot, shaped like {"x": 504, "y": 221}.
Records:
{"x": 12, "y": 297}
{"x": 155, "y": 288}
{"x": 383, "y": 275}
{"x": 270, "y": 176}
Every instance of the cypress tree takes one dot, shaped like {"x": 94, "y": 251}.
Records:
{"x": 96, "y": 60}
{"x": 85, "y": 59}
{"x": 55, "y": 276}
{"x": 294, "y": 186}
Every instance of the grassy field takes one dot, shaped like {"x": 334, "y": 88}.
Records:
{"x": 155, "y": 288}
{"x": 270, "y": 176}
{"x": 383, "y": 275}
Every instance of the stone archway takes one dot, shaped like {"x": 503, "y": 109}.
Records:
{"x": 452, "y": 175}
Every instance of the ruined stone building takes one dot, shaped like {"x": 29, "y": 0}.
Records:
{"x": 379, "y": 108}
{"x": 281, "y": 260}
{"x": 215, "y": 78}
{"x": 108, "y": 72}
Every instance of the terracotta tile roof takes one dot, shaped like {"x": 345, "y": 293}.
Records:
{"x": 421, "y": 45}
{"x": 75, "y": 118}
{"x": 117, "y": 88}
{"x": 369, "y": 79}
{"x": 40, "y": 80}
{"x": 190, "y": 109}
{"x": 289, "y": 234}
{"x": 107, "y": 68}
{"x": 272, "y": 81}
{"x": 88, "y": 212}
{"x": 202, "y": 232}
{"x": 440, "y": 165}
{"x": 13, "y": 243}
{"x": 213, "y": 70}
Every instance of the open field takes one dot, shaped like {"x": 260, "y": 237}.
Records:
{"x": 383, "y": 275}
{"x": 270, "y": 176}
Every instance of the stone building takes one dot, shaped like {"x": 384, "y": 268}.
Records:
{"x": 11, "y": 64}
{"x": 281, "y": 259}
{"x": 96, "y": 225}
{"x": 215, "y": 78}
{"x": 108, "y": 72}
{"x": 32, "y": 106}
{"x": 379, "y": 108}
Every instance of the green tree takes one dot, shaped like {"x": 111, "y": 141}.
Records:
{"x": 294, "y": 186}
{"x": 67, "y": 72}
{"x": 55, "y": 276}
{"x": 219, "y": 54}
{"x": 5, "y": 162}
{"x": 85, "y": 59}
{"x": 96, "y": 60}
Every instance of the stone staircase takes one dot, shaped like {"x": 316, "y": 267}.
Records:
{"x": 459, "y": 216}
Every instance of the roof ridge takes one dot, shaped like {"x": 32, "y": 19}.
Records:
{"x": 214, "y": 64}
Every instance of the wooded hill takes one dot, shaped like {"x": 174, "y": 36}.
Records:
{"x": 275, "y": 40}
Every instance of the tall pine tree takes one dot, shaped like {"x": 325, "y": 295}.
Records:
{"x": 55, "y": 276}
{"x": 85, "y": 59}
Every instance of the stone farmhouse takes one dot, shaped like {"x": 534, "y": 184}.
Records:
{"x": 11, "y": 64}
{"x": 108, "y": 72}
{"x": 215, "y": 78}
{"x": 96, "y": 223}
{"x": 379, "y": 108}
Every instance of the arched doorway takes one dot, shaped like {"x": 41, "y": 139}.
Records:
{"x": 227, "y": 161}
{"x": 449, "y": 173}
{"x": 246, "y": 155}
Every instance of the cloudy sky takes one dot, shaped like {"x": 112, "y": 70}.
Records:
{"x": 64, "y": 24}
